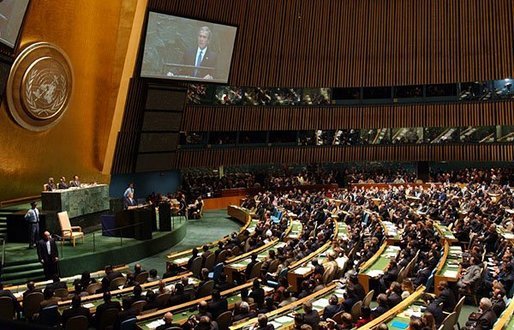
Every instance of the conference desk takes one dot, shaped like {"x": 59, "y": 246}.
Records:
{"x": 138, "y": 223}
{"x": 77, "y": 201}
{"x": 450, "y": 270}
{"x": 182, "y": 312}
{"x": 375, "y": 267}
{"x": 283, "y": 317}
{"x": 393, "y": 235}
{"x": 506, "y": 319}
{"x": 398, "y": 317}
{"x": 445, "y": 232}
{"x": 236, "y": 266}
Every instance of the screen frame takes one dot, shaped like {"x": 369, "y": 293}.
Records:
{"x": 143, "y": 41}
{"x": 5, "y": 45}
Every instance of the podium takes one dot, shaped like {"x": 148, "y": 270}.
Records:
{"x": 135, "y": 223}
{"x": 164, "y": 216}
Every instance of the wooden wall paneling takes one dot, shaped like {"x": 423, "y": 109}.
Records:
{"x": 216, "y": 157}
{"x": 362, "y": 42}
{"x": 248, "y": 118}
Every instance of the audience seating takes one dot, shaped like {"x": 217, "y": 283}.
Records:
{"x": 196, "y": 267}
{"x": 141, "y": 278}
{"x": 31, "y": 304}
{"x": 79, "y": 322}
{"x": 224, "y": 320}
{"x": 139, "y": 305}
{"x": 209, "y": 261}
{"x": 205, "y": 289}
{"x": 108, "y": 318}
{"x": 356, "y": 311}
{"x": 216, "y": 272}
{"x": 116, "y": 283}
{"x": 61, "y": 293}
{"x": 129, "y": 324}
{"x": 449, "y": 322}
{"x": 6, "y": 308}
{"x": 256, "y": 270}
{"x": 367, "y": 299}
{"x": 93, "y": 287}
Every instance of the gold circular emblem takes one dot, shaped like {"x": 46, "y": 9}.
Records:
{"x": 39, "y": 87}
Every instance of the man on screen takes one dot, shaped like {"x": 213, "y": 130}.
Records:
{"x": 202, "y": 57}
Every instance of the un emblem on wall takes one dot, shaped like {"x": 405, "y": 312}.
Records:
{"x": 39, "y": 86}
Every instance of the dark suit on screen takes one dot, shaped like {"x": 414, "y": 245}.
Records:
{"x": 210, "y": 60}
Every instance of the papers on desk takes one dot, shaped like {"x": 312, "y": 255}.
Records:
{"x": 181, "y": 260}
{"x": 341, "y": 262}
{"x": 451, "y": 273}
{"x": 283, "y": 319}
{"x": 275, "y": 324}
{"x": 238, "y": 265}
{"x": 279, "y": 245}
{"x": 375, "y": 273}
{"x": 302, "y": 270}
{"x": 412, "y": 311}
{"x": 268, "y": 289}
{"x": 508, "y": 235}
{"x": 340, "y": 292}
{"x": 89, "y": 305}
{"x": 320, "y": 304}
{"x": 155, "y": 324}
{"x": 18, "y": 294}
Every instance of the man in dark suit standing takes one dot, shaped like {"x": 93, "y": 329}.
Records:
{"x": 203, "y": 58}
{"x": 48, "y": 255}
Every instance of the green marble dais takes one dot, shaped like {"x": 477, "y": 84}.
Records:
{"x": 77, "y": 201}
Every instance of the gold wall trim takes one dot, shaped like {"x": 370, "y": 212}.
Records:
{"x": 128, "y": 70}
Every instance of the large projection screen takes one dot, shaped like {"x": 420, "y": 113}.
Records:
{"x": 187, "y": 49}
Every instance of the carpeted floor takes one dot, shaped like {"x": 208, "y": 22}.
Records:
{"x": 213, "y": 226}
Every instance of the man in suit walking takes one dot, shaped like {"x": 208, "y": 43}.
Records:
{"x": 32, "y": 217}
{"x": 48, "y": 255}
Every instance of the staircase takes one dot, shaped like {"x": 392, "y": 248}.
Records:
{"x": 19, "y": 272}
{"x": 3, "y": 222}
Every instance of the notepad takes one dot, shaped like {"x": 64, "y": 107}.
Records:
{"x": 302, "y": 270}
{"x": 155, "y": 324}
{"x": 89, "y": 305}
{"x": 283, "y": 319}
{"x": 375, "y": 273}
{"x": 451, "y": 273}
{"x": 181, "y": 260}
{"x": 320, "y": 303}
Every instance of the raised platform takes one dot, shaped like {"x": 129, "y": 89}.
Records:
{"x": 96, "y": 252}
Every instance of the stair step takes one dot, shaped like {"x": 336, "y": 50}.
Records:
{"x": 23, "y": 276}
{"x": 22, "y": 262}
{"x": 24, "y": 267}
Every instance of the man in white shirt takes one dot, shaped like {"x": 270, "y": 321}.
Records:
{"x": 32, "y": 217}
